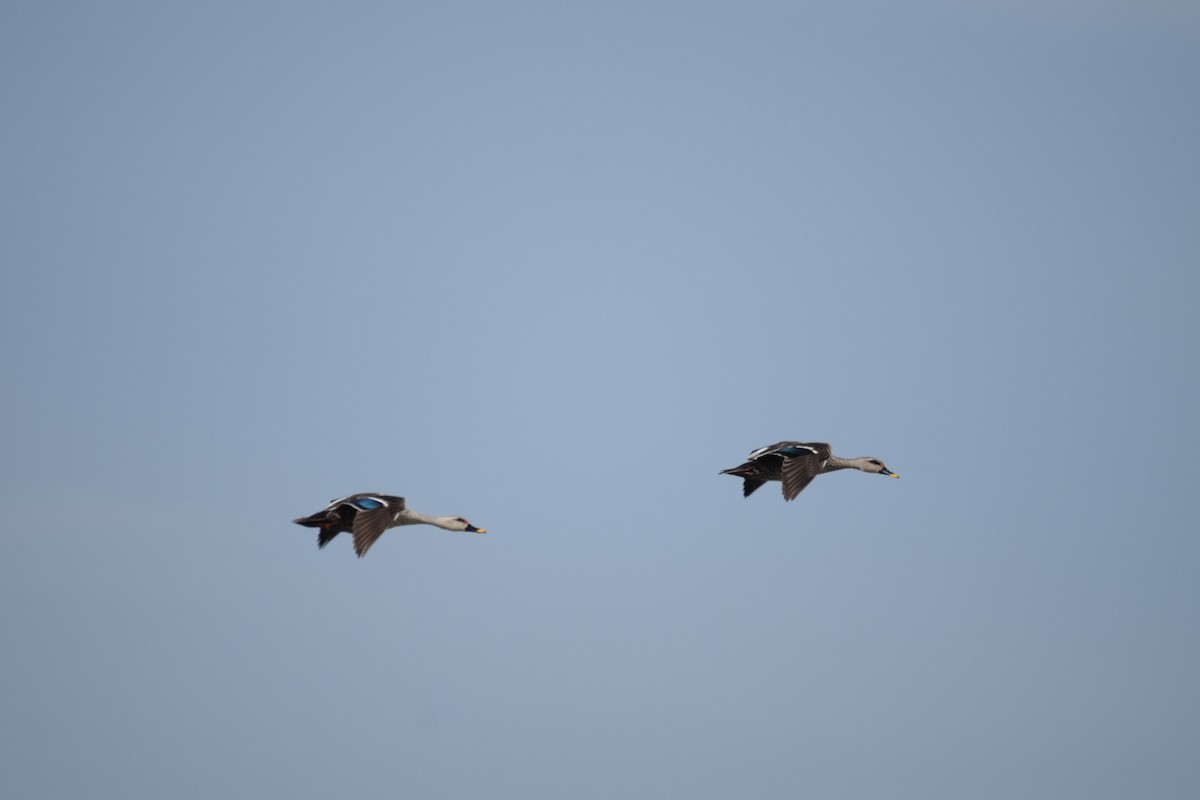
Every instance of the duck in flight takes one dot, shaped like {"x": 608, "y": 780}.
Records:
{"x": 366, "y": 516}
{"x": 796, "y": 464}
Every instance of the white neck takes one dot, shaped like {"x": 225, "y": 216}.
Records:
{"x": 410, "y": 517}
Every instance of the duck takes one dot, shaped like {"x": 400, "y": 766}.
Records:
{"x": 367, "y": 515}
{"x": 796, "y": 464}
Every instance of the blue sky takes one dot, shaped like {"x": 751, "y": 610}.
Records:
{"x": 552, "y": 267}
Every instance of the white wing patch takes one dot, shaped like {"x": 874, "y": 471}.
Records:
{"x": 769, "y": 449}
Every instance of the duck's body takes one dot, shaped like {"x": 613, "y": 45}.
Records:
{"x": 796, "y": 464}
{"x": 366, "y": 516}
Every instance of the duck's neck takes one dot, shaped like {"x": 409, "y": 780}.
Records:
{"x": 416, "y": 517}
{"x": 836, "y": 463}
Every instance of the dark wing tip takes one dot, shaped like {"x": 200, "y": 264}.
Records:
{"x": 749, "y": 485}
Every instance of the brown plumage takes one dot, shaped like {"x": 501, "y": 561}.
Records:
{"x": 366, "y": 516}
{"x": 795, "y": 464}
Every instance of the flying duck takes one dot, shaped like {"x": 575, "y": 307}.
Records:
{"x": 796, "y": 464}
{"x": 366, "y": 516}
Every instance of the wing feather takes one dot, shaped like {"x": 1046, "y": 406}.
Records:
{"x": 369, "y": 526}
{"x": 798, "y": 472}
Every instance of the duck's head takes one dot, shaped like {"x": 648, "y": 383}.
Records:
{"x": 466, "y": 526}
{"x": 875, "y": 465}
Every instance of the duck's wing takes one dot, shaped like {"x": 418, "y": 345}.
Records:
{"x": 798, "y": 472}
{"x": 376, "y": 513}
{"x": 801, "y": 463}
{"x": 369, "y": 526}
{"x": 750, "y": 484}
{"x": 769, "y": 450}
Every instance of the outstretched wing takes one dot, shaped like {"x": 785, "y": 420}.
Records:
{"x": 326, "y": 536}
{"x": 369, "y": 525}
{"x": 750, "y": 484}
{"x": 798, "y": 472}
{"x": 802, "y": 461}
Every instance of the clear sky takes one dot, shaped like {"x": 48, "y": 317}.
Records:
{"x": 551, "y": 267}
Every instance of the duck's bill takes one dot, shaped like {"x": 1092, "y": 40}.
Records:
{"x": 890, "y": 474}
{"x": 473, "y": 529}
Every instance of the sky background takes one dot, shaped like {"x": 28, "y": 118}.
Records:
{"x": 551, "y": 267}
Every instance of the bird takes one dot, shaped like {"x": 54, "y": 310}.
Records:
{"x": 366, "y": 516}
{"x": 796, "y": 464}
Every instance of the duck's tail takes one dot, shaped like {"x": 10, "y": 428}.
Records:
{"x": 751, "y": 479}
{"x": 329, "y": 527}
